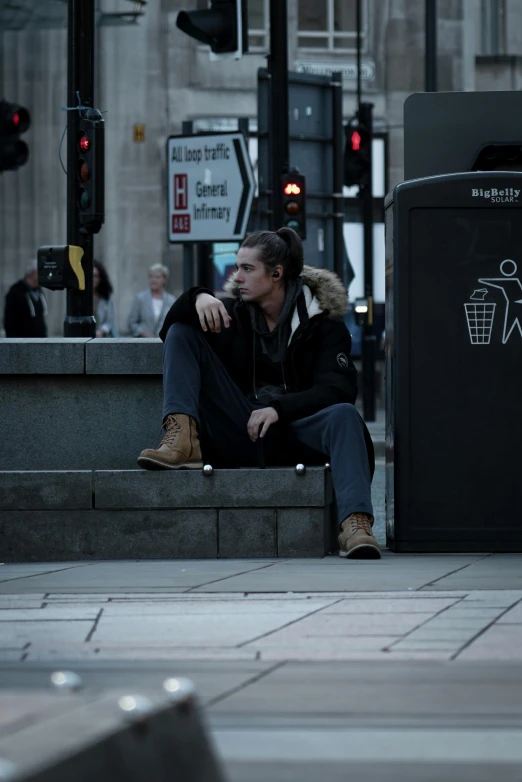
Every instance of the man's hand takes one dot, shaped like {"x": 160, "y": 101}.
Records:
{"x": 263, "y": 418}
{"x": 210, "y": 312}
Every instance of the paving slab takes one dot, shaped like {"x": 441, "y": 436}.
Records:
{"x": 187, "y": 630}
{"x": 53, "y": 632}
{"x": 504, "y": 597}
{"x": 499, "y": 642}
{"x": 465, "y": 692}
{"x": 375, "y": 771}
{"x": 470, "y": 583}
{"x": 331, "y": 627}
{"x": 10, "y": 655}
{"x": 107, "y": 653}
{"x": 331, "y": 574}
{"x": 189, "y": 607}
{"x": 424, "y": 746}
{"x": 48, "y": 613}
{"x": 390, "y": 605}
{"x": 12, "y": 571}
{"x": 278, "y": 582}
{"x": 512, "y": 615}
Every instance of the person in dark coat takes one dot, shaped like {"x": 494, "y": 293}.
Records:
{"x": 25, "y": 311}
{"x": 265, "y": 376}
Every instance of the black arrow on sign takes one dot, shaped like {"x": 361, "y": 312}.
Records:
{"x": 246, "y": 186}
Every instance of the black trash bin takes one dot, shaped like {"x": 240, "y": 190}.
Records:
{"x": 454, "y": 363}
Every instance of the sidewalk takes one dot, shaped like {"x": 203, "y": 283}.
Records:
{"x": 405, "y": 669}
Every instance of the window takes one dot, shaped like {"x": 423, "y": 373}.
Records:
{"x": 330, "y": 25}
{"x": 258, "y": 12}
{"x": 493, "y": 25}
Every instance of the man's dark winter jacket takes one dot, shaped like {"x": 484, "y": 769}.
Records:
{"x": 25, "y": 315}
{"x": 318, "y": 369}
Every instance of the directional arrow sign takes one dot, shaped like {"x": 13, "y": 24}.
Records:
{"x": 211, "y": 187}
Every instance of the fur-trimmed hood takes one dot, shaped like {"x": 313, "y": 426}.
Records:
{"x": 325, "y": 286}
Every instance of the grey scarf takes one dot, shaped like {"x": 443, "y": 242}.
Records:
{"x": 274, "y": 343}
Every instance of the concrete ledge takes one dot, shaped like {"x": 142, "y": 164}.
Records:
{"x": 78, "y": 422}
{"x": 42, "y": 490}
{"x": 58, "y": 536}
{"x": 49, "y": 516}
{"x": 246, "y": 488}
{"x": 304, "y": 532}
{"x": 57, "y": 356}
{"x": 247, "y": 533}
{"x": 124, "y": 357}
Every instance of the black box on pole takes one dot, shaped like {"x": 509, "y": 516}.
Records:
{"x": 454, "y": 363}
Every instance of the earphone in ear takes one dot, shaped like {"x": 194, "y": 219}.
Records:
{"x": 275, "y": 274}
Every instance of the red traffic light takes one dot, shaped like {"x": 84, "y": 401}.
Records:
{"x": 292, "y": 188}
{"x": 356, "y": 140}
{"x": 84, "y": 144}
{"x": 14, "y": 119}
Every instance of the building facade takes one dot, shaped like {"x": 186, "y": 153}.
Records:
{"x": 150, "y": 74}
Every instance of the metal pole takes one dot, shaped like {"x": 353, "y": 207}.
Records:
{"x": 187, "y": 129}
{"x": 205, "y": 265}
{"x": 359, "y": 46}
{"x": 338, "y": 154}
{"x": 279, "y": 143}
{"x": 430, "y": 63}
{"x": 79, "y": 319}
{"x": 369, "y": 339}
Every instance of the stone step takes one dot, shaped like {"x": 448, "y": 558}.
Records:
{"x": 127, "y": 514}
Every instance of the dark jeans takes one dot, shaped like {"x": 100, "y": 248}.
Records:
{"x": 195, "y": 382}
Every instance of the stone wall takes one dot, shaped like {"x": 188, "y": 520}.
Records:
{"x": 75, "y": 415}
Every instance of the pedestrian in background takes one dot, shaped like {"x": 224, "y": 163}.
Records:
{"x": 25, "y": 312}
{"x": 104, "y": 314}
{"x": 150, "y": 307}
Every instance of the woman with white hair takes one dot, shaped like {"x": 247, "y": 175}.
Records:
{"x": 150, "y": 307}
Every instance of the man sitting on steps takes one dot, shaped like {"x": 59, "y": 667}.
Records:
{"x": 267, "y": 373}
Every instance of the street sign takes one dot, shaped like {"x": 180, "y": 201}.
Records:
{"x": 210, "y": 187}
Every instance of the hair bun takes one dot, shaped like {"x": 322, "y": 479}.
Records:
{"x": 286, "y": 234}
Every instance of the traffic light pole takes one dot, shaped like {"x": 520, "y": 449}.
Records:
{"x": 279, "y": 142}
{"x": 369, "y": 339}
{"x": 79, "y": 319}
{"x": 431, "y": 46}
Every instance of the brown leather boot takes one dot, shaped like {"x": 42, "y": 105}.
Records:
{"x": 356, "y": 539}
{"x": 179, "y": 449}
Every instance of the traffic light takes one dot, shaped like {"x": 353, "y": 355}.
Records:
{"x": 357, "y": 156}
{"x": 293, "y": 186}
{"x": 223, "y": 26}
{"x": 91, "y": 170}
{"x": 14, "y": 120}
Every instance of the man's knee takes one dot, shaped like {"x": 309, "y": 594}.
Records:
{"x": 182, "y": 331}
{"x": 342, "y": 412}
{"x": 342, "y": 416}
